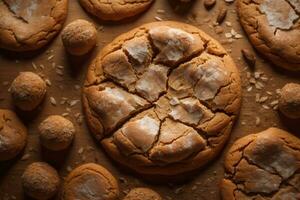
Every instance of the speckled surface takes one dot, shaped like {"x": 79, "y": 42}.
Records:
{"x": 204, "y": 184}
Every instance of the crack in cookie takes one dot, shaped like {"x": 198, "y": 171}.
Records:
{"x": 164, "y": 97}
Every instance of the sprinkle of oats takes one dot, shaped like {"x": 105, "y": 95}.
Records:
{"x": 158, "y": 18}
{"x": 227, "y": 23}
{"x": 48, "y": 82}
{"x": 263, "y": 99}
{"x": 50, "y": 57}
{"x": 266, "y": 107}
{"x": 77, "y": 87}
{"x": 53, "y": 101}
{"x": 65, "y": 114}
{"x": 34, "y": 65}
{"x": 249, "y": 89}
{"x": 238, "y": 36}
{"x": 228, "y": 35}
{"x": 274, "y": 103}
{"x": 60, "y": 67}
{"x": 69, "y": 168}
{"x": 25, "y": 157}
{"x": 160, "y": 11}
{"x": 257, "y": 97}
{"x": 80, "y": 151}
{"x": 59, "y": 72}
{"x": 257, "y": 121}
{"x": 73, "y": 103}
{"x": 278, "y": 91}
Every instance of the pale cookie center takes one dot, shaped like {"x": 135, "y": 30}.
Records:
{"x": 281, "y": 13}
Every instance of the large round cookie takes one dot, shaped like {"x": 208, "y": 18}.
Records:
{"x": 27, "y": 25}
{"x": 114, "y": 10}
{"x": 273, "y": 27}
{"x": 162, "y": 98}
{"x": 263, "y": 166}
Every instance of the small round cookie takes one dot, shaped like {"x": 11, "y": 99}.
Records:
{"x": 20, "y": 23}
{"x": 13, "y": 135}
{"x": 115, "y": 10}
{"x": 90, "y": 181}
{"x": 263, "y": 166}
{"x": 28, "y": 90}
{"x": 142, "y": 194}
{"x": 79, "y": 37}
{"x": 289, "y": 102}
{"x": 162, "y": 98}
{"x": 40, "y": 181}
{"x": 273, "y": 27}
{"x": 56, "y": 133}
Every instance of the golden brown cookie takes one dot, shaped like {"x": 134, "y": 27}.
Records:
{"x": 40, "y": 181}
{"x": 142, "y": 194}
{"x": 13, "y": 135}
{"x": 162, "y": 98}
{"x": 30, "y": 24}
{"x": 79, "y": 37}
{"x": 263, "y": 166}
{"x": 289, "y": 102}
{"x": 273, "y": 27}
{"x": 56, "y": 133}
{"x": 28, "y": 90}
{"x": 90, "y": 181}
{"x": 114, "y": 10}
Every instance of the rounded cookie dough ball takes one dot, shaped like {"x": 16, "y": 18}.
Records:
{"x": 13, "y": 135}
{"x": 263, "y": 166}
{"x": 142, "y": 194}
{"x": 289, "y": 102}
{"x": 79, "y": 37}
{"x": 90, "y": 181}
{"x": 56, "y": 133}
{"x": 28, "y": 90}
{"x": 40, "y": 181}
{"x": 115, "y": 10}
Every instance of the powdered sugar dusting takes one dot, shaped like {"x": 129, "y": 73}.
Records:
{"x": 151, "y": 125}
{"x": 277, "y": 15}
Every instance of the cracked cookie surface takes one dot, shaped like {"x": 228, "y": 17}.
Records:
{"x": 13, "y": 135}
{"x": 20, "y": 23}
{"x": 114, "y": 10}
{"x": 90, "y": 182}
{"x": 273, "y": 27}
{"x": 263, "y": 166}
{"x": 162, "y": 98}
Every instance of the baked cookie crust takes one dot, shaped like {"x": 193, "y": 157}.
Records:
{"x": 90, "y": 181}
{"x": 263, "y": 166}
{"x": 115, "y": 10}
{"x": 13, "y": 135}
{"x": 30, "y": 24}
{"x": 162, "y": 98}
{"x": 273, "y": 27}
